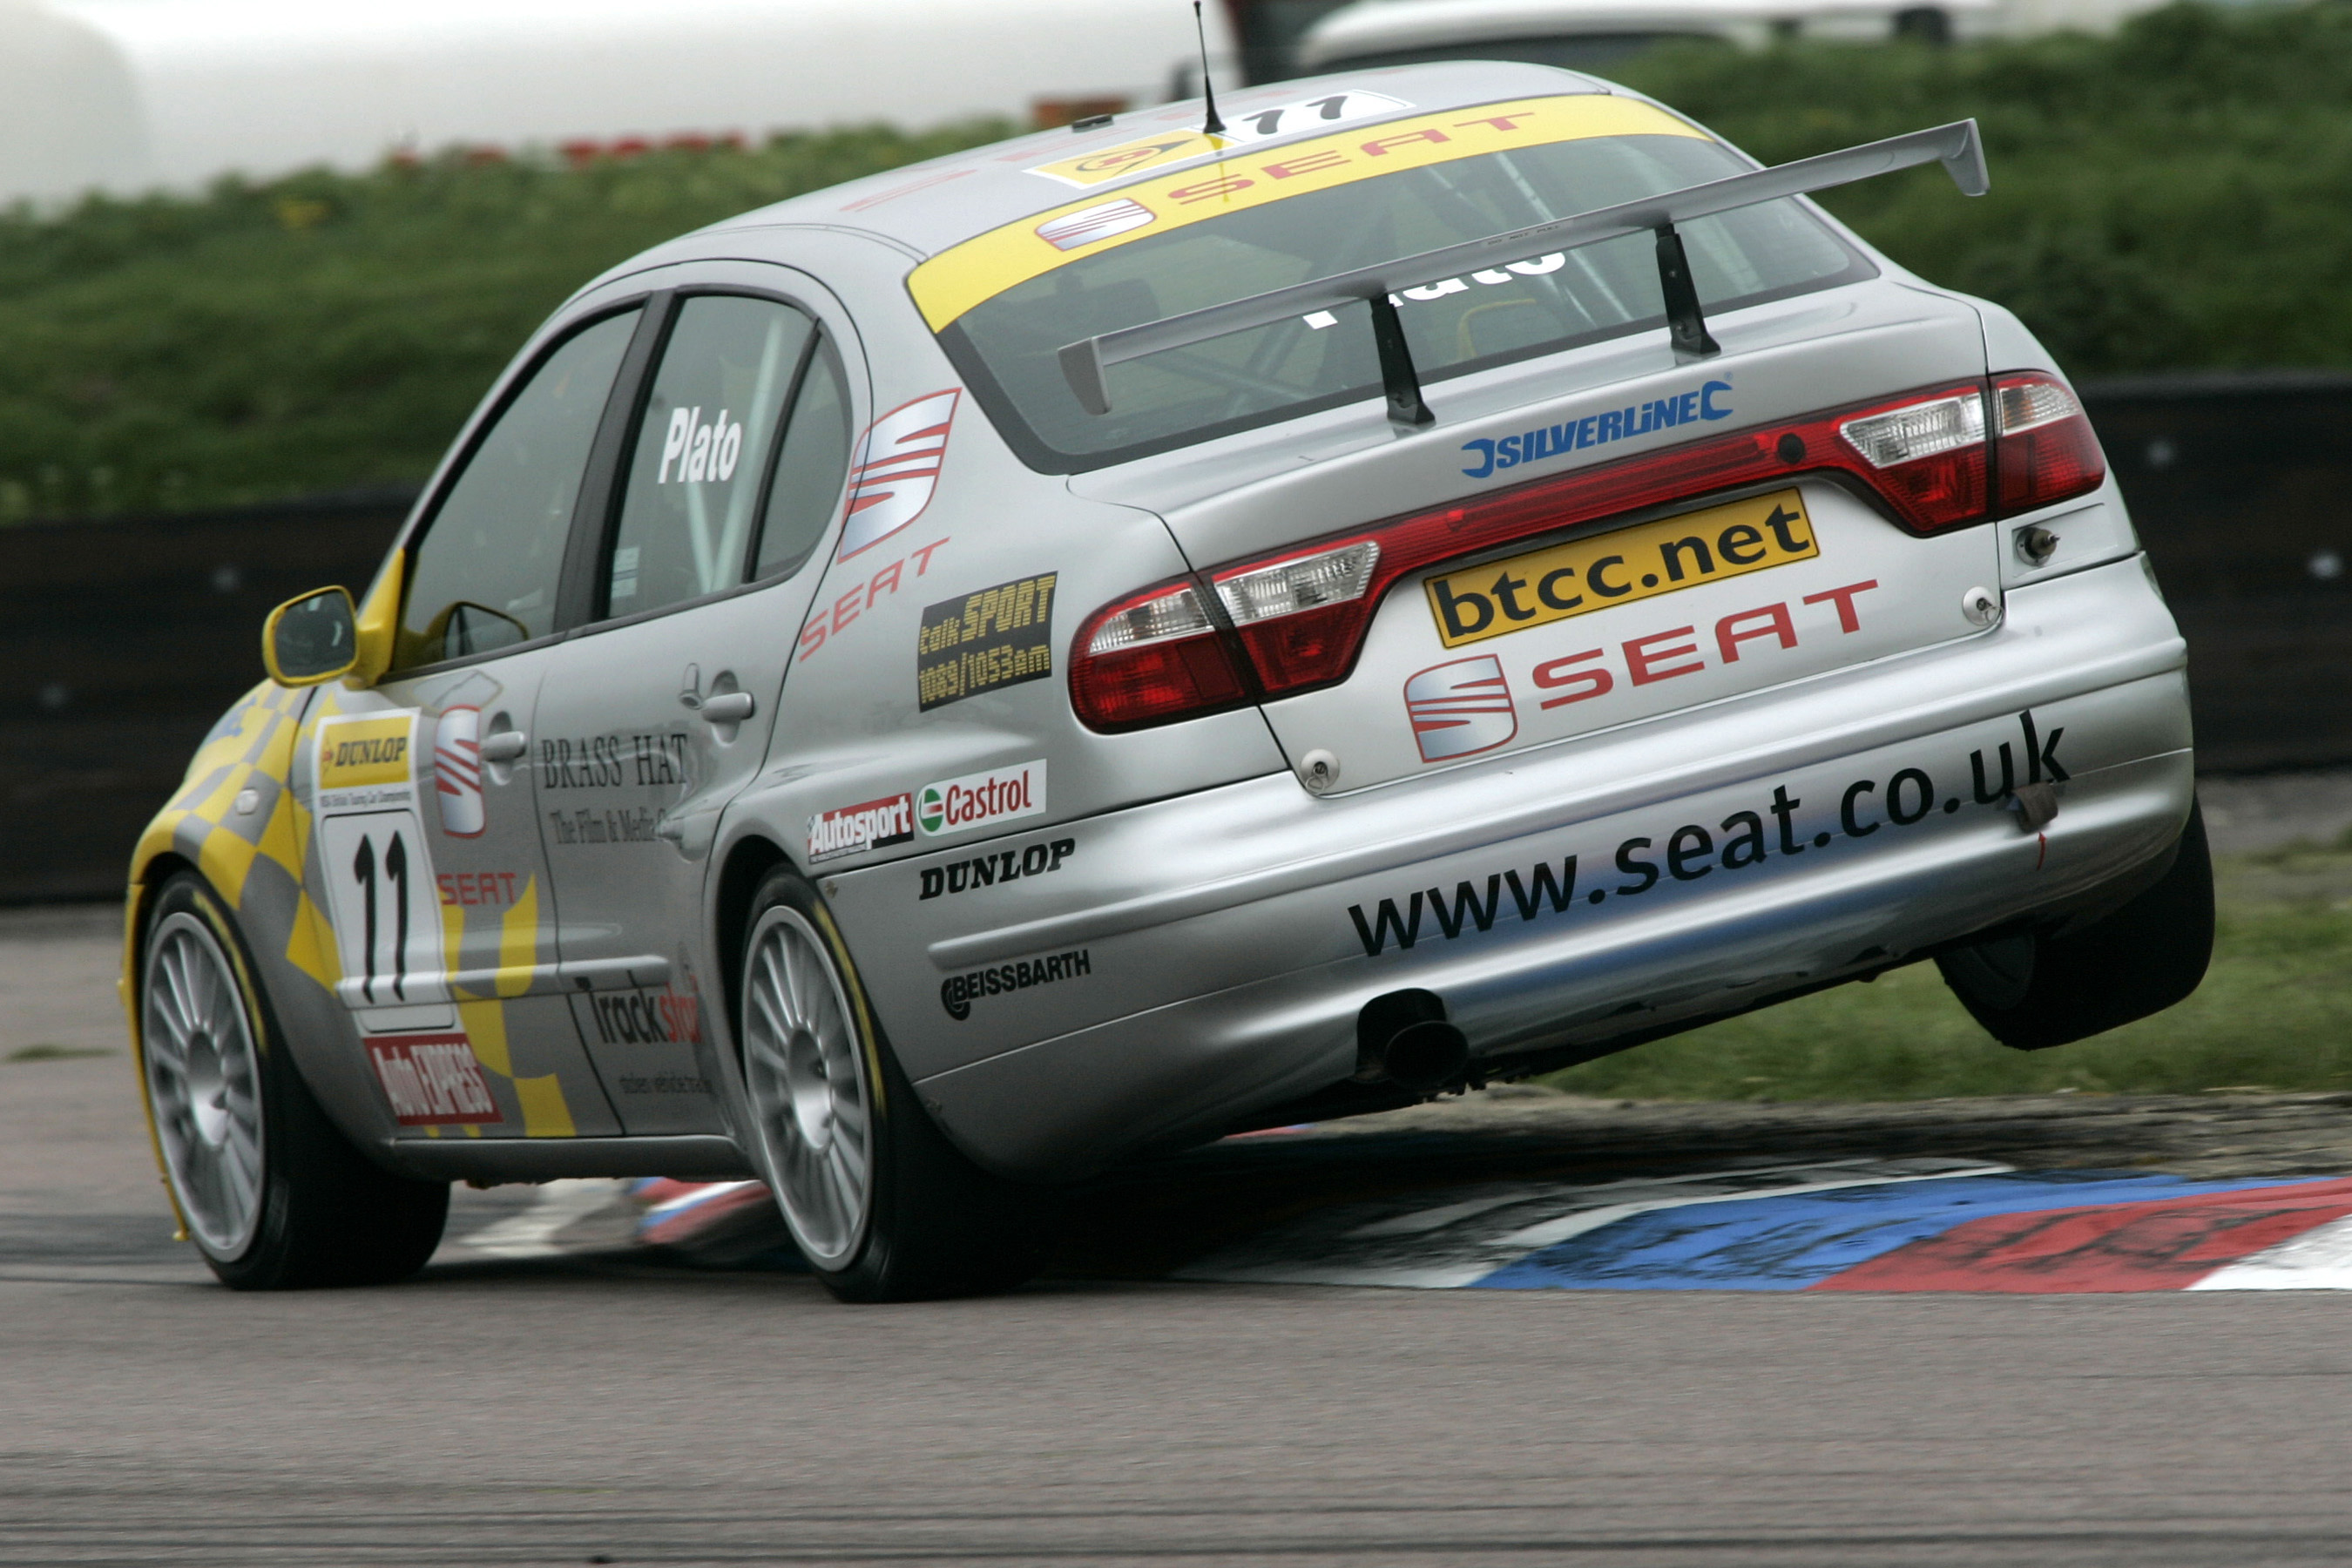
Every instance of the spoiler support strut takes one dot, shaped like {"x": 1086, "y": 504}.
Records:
{"x": 1685, "y": 326}
{"x": 1086, "y": 364}
{"x": 1398, "y": 378}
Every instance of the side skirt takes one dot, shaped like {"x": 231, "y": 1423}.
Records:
{"x": 492, "y": 1160}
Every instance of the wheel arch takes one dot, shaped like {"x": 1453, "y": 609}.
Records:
{"x": 138, "y": 914}
{"x": 748, "y": 861}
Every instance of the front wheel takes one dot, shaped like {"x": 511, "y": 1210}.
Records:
{"x": 273, "y": 1195}
{"x": 879, "y": 1201}
{"x": 2035, "y": 990}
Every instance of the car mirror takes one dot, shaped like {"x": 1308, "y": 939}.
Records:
{"x": 311, "y": 639}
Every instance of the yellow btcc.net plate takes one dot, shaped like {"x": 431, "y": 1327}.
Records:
{"x": 1587, "y": 574}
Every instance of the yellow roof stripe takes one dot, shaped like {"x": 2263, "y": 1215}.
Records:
{"x": 983, "y": 267}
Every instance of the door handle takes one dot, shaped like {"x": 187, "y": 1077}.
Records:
{"x": 504, "y": 745}
{"x": 728, "y": 707}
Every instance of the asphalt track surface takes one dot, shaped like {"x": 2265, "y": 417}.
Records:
{"x": 600, "y": 1403}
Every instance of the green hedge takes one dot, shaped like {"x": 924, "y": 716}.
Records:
{"x": 326, "y": 332}
{"x": 2177, "y": 196}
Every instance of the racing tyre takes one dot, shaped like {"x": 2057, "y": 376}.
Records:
{"x": 2035, "y": 991}
{"x": 883, "y": 1207}
{"x": 272, "y": 1195}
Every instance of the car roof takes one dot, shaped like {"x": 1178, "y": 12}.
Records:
{"x": 928, "y": 207}
{"x": 1378, "y": 25}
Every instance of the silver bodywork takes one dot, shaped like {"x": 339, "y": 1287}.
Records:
{"x": 1180, "y": 934}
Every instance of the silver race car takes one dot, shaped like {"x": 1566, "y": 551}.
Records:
{"x": 1095, "y": 643}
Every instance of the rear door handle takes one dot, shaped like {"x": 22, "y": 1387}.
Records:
{"x": 504, "y": 745}
{"x": 728, "y": 707}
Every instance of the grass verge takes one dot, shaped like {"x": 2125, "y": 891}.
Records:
{"x": 2275, "y": 1011}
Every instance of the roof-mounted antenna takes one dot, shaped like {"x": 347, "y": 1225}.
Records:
{"x": 1215, "y": 126}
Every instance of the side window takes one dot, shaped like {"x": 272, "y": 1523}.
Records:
{"x": 486, "y": 573}
{"x": 702, "y": 450}
{"x": 810, "y": 470}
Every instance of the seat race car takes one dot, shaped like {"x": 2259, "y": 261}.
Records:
{"x": 1149, "y": 630}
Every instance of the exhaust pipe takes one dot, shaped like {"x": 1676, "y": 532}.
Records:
{"x": 1402, "y": 1037}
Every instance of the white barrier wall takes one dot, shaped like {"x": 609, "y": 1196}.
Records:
{"x": 129, "y": 94}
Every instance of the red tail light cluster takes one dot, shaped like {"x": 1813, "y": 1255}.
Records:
{"x": 1294, "y": 619}
{"x": 2048, "y": 452}
{"x": 1150, "y": 658}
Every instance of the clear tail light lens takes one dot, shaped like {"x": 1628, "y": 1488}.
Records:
{"x": 1920, "y": 430}
{"x": 1928, "y": 458}
{"x": 1152, "y": 657}
{"x": 1176, "y": 613}
{"x": 1301, "y": 620}
{"x": 1308, "y": 583}
{"x": 2048, "y": 451}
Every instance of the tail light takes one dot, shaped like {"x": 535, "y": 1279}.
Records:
{"x": 2047, "y": 450}
{"x": 1301, "y": 620}
{"x": 1298, "y": 615}
{"x": 1927, "y": 457}
{"x": 1150, "y": 657}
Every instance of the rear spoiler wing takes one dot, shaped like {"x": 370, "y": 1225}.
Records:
{"x": 1085, "y": 363}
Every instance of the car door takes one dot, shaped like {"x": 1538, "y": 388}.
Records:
{"x": 427, "y": 806}
{"x": 659, "y": 713}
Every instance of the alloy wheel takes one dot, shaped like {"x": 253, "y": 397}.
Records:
{"x": 204, "y": 1083}
{"x": 806, "y": 1073}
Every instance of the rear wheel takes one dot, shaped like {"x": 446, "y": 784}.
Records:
{"x": 2035, "y": 990}
{"x": 879, "y": 1203}
{"x": 273, "y": 1195}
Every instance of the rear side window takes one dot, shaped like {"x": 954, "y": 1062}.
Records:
{"x": 810, "y": 470}
{"x": 690, "y": 505}
{"x": 485, "y": 575}
{"x": 1006, "y": 344}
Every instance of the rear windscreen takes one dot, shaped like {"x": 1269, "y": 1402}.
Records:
{"x": 1005, "y": 345}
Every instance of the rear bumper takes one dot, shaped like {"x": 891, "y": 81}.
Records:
{"x": 1719, "y": 857}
